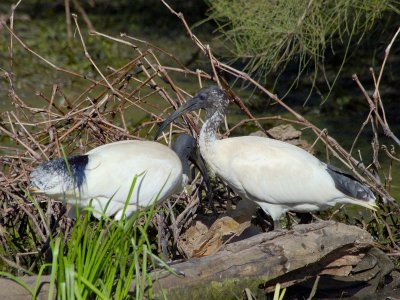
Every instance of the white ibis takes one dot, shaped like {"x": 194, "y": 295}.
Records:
{"x": 104, "y": 175}
{"x": 276, "y": 175}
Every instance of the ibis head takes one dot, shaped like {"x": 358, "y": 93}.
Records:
{"x": 210, "y": 98}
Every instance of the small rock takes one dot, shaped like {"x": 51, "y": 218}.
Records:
{"x": 286, "y": 133}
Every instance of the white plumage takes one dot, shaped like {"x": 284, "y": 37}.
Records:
{"x": 104, "y": 176}
{"x": 261, "y": 168}
{"x": 276, "y": 175}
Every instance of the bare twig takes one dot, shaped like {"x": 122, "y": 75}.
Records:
{"x": 68, "y": 19}
{"x": 84, "y": 15}
{"x": 13, "y": 8}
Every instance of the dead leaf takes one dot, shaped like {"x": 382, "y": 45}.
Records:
{"x": 199, "y": 241}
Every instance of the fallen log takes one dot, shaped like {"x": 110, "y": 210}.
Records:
{"x": 328, "y": 249}
{"x": 287, "y": 257}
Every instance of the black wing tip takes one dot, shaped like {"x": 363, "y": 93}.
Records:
{"x": 70, "y": 171}
{"x": 349, "y": 185}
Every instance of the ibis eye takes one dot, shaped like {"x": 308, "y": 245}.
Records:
{"x": 202, "y": 96}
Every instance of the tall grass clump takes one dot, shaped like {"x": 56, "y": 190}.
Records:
{"x": 108, "y": 259}
{"x": 102, "y": 260}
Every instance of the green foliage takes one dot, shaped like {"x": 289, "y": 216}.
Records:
{"x": 100, "y": 260}
{"x": 279, "y": 293}
{"x": 272, "y": 33}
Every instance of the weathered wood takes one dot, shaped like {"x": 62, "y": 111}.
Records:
{"x": 264, "y": 257}
{"x": 288, "y": 257}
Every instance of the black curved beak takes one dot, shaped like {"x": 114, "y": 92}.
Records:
{"x": 190, "y": 105}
